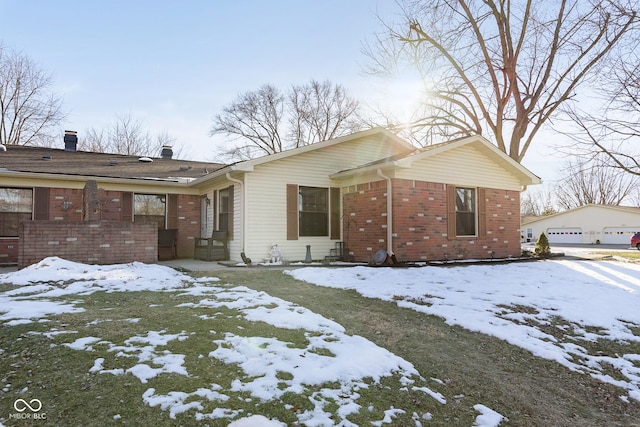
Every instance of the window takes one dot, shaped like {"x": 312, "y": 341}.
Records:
{"x": 465, "y": 211}
{"x": 224, "y": 202}
{"x": 313, "y": 211}
{"x": 16, "y": 205}
{"x": 150, "y": 208}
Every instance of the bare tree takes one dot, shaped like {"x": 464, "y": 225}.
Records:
{"x": 255, "y": 119}
{"x": 29, "y": 112}
{"x": 611, "y": 129}
{"x": 125, "y": 136}
{"x": 537, "y": 202}
{"x": 321, "y": 111}
{"x": 502, "y": 68}
{"x": 587, "y": 182}
{"x": 267, "y": 121}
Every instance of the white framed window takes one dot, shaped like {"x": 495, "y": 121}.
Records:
{"x": 16, "y": 205}
{"x": 466, "y": 211}
{"x": 313, "y": 211}
{"x": 150, "y": 208}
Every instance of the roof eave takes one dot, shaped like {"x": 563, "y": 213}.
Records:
{"x": 248, "y": 165}
{"x": 395, "y": 164}
{"x": 81, "y": 178}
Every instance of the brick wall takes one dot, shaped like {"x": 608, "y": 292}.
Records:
{"x": 503, "y": 222}
{"x": 188, "y": 224}
{"x": 364, "y": 219}
{"x": 99, "y": 242}
{"x": 9, "y": 250}
{"x": 420, "y": 220}
{"x": 110, "y": 205}
{"x": 74, "y": 205}
{"x": 65, "y": 204}
{"x": 420, "y": 223}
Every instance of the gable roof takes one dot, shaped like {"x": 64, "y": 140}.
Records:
{"x": 477, "y": 141}
{"x": 249, "y": 165}
{"x": 40, "y": 160}
{"x": 625, "y": 209}
{"x": 385, "y": 134}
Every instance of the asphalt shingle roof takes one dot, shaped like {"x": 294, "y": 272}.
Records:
{"x": 57, "y": 161}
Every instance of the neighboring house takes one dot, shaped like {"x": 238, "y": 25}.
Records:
{"x": 71, "y": 187}
{"x": 585, "y": 224}
{"x": 364, "y": 192}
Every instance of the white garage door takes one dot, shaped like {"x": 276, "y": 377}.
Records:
{"x": 564, "y": 235}
{"x": 618, "y": 235}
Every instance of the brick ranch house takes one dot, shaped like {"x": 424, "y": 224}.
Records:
{"x": 360, "y": 193}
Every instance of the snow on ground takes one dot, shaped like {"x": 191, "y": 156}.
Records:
{"x": 55, "y": 277}
{"x": 348, "y": 363}
{"x": 517, "y": 302}
{"x": 587, "y": 300}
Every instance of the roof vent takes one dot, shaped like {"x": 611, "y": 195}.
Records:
{"x": 185, "y": 168}
{"x": 113, "y": 163}
{"x": 167, "y": 152}
{"x": 145, "y": 159}
{"x": 47, "y": 157}
{"x": 70, "y": 140}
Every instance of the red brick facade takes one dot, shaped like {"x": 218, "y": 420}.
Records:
{"x": 72, "y": 210}
{"x": 188, "y": 224}
{"x": 110, "y": 205}
{"x": 364, "y": 219}
{"x": 9, "y": 250}
{"x": 100, "y": 242}
{"x": 420, "y": 222}
{"x": 65, "y": 204}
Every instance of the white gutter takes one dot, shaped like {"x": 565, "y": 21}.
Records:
{"x": 173, "y": 182}
{"x": 242, "y": 209}
{"x": 389, "y": 213}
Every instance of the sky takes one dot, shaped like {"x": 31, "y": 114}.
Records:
{"x": 174, "y": 65}
{"x": 587, "y": 301}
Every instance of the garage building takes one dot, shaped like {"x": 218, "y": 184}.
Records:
{"x": 588, "y": 224}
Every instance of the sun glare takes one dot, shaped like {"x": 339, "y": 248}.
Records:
{"x": 401, "y": 97}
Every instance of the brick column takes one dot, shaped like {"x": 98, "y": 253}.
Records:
{"x": 91, "y": 202}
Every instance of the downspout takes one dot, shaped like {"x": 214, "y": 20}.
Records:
{"x": 242, "y": 209}
{"x": 389, "y": 213}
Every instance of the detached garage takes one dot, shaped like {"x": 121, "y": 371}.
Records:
{"x": 564, "y": 235}
{"x": 589, "y": 224}
{"x": 618, "y": 235}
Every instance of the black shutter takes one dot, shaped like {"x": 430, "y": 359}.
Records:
{"x": 334, "y": 216}
{"x": 292, "y": 212}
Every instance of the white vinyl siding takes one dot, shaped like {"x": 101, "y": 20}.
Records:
{"x": 267, "y": 195}
{"x": 463, "y": 166}
{"x": 267, "y": 201}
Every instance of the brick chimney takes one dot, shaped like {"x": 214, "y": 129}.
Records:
{"x": 167, "y": 152}
{"x": 70, "y": 140}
